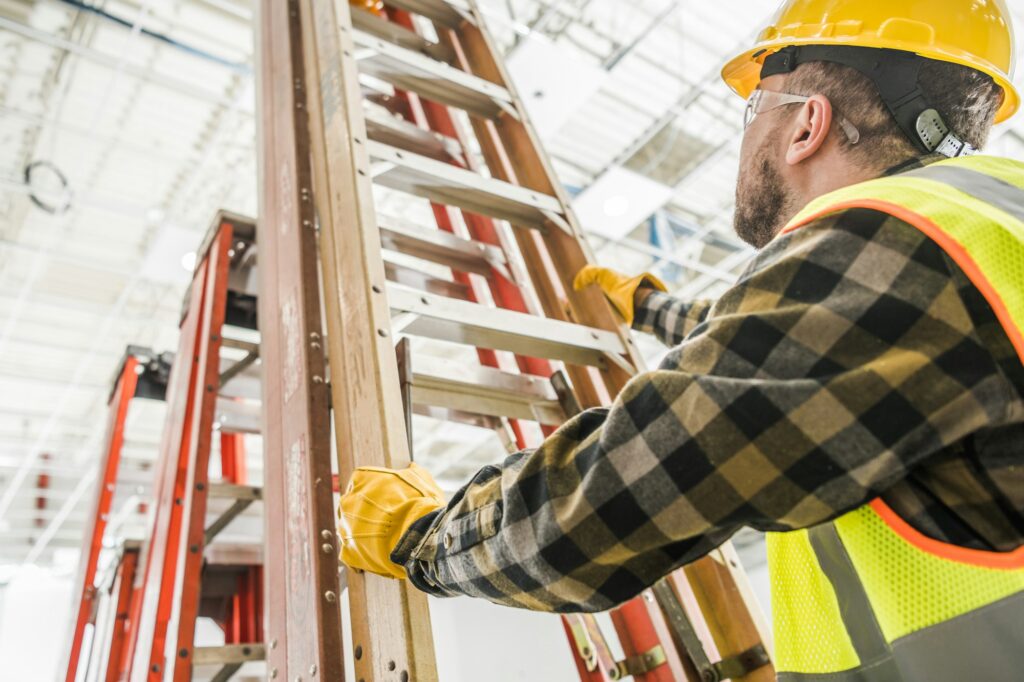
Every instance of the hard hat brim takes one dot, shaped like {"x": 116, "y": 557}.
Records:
{"x": 743, "y": 73}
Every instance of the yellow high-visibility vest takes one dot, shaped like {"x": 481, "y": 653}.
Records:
{"x": 867, "y": 598}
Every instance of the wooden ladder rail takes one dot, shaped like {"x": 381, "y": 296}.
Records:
{"x": 302, "y": 594}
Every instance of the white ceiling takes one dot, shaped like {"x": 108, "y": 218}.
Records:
{"x": 154, "y": 139}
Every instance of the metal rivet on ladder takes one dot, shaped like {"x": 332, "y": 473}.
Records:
{"x": 376, "y": 289}
{"x": 327, "y": 534}
{"x": 327, "y": 549}
{"x": 382, "y": 332}
{"x": 193, "y": 548}
{"x": 200, "y": 486}
{"x": 273, "y": 674}
{"x": 404, "y": 677}
{"x": 273, "y": 643}
{"x": 391, "y": 665}
{"x": 183, "y": 653}
{"x": 330, "y": 596}
{"x": 359, "y": 651}
{"x": 312, "y": 669}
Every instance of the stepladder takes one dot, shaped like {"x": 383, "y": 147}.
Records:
{"x": 203, "y": 553}
{"x": 410, "y": 99}
{"x": 142, "y": 374}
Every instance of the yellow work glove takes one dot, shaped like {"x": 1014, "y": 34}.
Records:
{"x": 618, "y": 288}
{"x": 377, "y": 508}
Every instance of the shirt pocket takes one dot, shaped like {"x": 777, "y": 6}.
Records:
{"x": 471, "y": 529}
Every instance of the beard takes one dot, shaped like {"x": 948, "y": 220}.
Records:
{"x": 762, "y": 203}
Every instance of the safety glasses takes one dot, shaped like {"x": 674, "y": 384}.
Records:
{"x": 761, "y": 101}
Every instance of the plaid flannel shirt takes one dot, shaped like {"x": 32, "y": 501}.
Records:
{"x": 853, "y": 359}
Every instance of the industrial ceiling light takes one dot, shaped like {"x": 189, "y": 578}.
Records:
{"x": 616, "y": 206}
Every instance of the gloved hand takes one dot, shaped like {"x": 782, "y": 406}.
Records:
{"x": 378, "y": 506}
{"x": 618, "y": 288}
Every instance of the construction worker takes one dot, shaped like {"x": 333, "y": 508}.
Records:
{"x": 859, "y": 392}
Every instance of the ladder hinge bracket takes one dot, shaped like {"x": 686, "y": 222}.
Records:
{"x": 640, "y": 663}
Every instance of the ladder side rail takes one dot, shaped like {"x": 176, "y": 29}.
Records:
{"x": 162, "y": 540}
{"x": 369, "y": 416}
{"x": 518, "y": 140}
{"x": 124, "y": 588}
{"x": 184, "y": 607}
{"x": 301, "y": 593}
{"x": 109, "y": 464}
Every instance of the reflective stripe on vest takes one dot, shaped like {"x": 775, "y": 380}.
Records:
{"x": 868, "y": 598}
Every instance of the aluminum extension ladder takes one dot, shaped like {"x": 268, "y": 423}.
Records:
{"x": 328, "y": 133}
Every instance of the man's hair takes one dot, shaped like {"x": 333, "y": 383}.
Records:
{"x": 966, "y": 99}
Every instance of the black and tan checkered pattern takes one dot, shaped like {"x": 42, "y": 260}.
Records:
{"x": 853, "y": 359}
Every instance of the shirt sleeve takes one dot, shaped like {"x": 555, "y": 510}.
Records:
{"x": 669, "y": 319}
{"x": 842, "y": 359}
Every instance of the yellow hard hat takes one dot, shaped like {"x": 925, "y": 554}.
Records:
{"x": 974, "y": 33}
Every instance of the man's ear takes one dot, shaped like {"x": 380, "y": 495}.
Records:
{"x": 810, "y": 130}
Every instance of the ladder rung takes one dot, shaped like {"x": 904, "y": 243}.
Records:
{"x": 411, "y": 277}
{"x": 484, "y": 390}
{"x": 478, "y": 325}
{"x": 448, "y": 184}
{"x": 400, "y": 35}
{"x": 440, "y": 247}
{"x": 446, "y": 13}
{"x": 234, "y": 554}
{"x": 384, "y": 127}
{"x": 233, "y": 491}
{"x": 448, "y": 415}
{"x": 228, "y": 653}
{"x": 428, "y": 77}
{"x": 238, "y": 416}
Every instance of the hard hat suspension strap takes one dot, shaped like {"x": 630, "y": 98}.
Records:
{"x": 895, "y": 74}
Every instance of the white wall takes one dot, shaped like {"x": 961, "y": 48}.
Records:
{"x": 34, "y": 613}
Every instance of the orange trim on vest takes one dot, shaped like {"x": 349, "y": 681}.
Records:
{"x": 952, "y": 247}
{"x": 945, "y": 550}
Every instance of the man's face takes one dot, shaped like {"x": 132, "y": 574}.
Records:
{"x": 763, "y": 201}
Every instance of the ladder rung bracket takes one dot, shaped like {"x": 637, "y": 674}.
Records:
{"x": 484, "y": 390}
{"x": 411, "y": 277}
{"x": 445, "y": 13}
{"x": 227, "y": 654}
{"x": 238, "y": 416}
{"x": 384, "y": 127}
{"x": 429, "y": 77}
{"x": 400, "y": 35}
{"x": 478, "y": 325}
{"x": 230, "y": 371}
{"x": 441, "y": 247}
{"x": 222, "y": 521}
{"x": 447, "y": 184}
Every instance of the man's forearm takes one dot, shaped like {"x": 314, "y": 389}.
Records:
{"x": 666, "y": 317}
